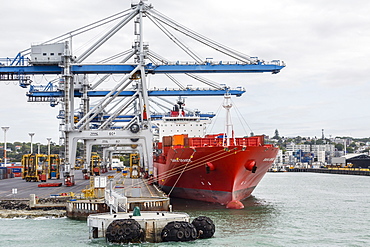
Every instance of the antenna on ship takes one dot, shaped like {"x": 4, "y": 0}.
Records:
{"x": 229, "y": 131}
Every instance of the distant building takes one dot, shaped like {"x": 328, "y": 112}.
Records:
{"x": 342, "y": 141}
{"x": 295, "y": 147}
{"x": 352, "y": 160}
{"x": 279, "y": 158}
{"x": 309, "y": 153}
{"x": 321, "y": 157}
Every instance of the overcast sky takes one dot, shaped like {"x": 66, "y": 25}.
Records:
{"x": 325, "y": 45}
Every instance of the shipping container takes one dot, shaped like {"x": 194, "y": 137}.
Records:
{"x": 9, "y": 170}
{"x": 167, "y": 141}
{"x": 178, "y": 140}
{"x": 16, "y": 169}
{"x": 3, "y": 172}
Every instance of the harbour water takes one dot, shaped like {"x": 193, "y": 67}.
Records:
{"x": 287, "y": 209}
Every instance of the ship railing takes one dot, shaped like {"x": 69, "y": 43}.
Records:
{"x": 254, "y": 141}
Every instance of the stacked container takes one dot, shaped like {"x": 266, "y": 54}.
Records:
{"x": 17, "y": 170}
{"x": 3, "y": 173}
{"x": 6, "y": 172}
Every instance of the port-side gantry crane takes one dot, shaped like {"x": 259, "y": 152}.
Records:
{"x": 122, "y": 114}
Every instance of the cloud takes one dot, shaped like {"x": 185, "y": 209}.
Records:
{"x": 324, "y": 44}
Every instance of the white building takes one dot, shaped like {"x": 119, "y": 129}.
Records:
{"x": 320, "y": 157}
{"x": 279, "y": 158}
{"x": 320, "y": 152}
{"x": 330, "y": 148}
{"x": 295, "y": 147}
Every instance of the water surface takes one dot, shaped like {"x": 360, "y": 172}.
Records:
{"x": 286, "y": 209}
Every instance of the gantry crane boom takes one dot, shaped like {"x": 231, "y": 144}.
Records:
{"x": 56, "y": 57}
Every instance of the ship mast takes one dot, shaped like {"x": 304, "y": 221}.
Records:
{"x": 181, "y": 108}
{"x": 229, "y": 132}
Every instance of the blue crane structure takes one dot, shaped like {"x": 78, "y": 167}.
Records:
{"x": 123, "y": 112}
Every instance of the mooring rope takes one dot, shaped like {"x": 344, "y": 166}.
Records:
{"x": 180, "y": 174}
{"x": 199, "y": 162}
{"x": 176, "y": 171}
{"x": 180, "y": 170}
{"x": 195, "y": 165}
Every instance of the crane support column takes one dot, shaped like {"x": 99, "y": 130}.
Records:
{"x": 68, "y": 113}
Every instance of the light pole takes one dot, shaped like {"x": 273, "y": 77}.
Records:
{"x": 49, "y": 165}
{"x": 49, "y": 139}
{"x": 31, "y": 135}
{"x": 5, "y": 130}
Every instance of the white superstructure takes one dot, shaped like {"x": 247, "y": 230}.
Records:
{"x": 193, "y": 126}
{"x": 177, "y": 122}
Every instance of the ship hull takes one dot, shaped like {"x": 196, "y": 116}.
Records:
{"x": 213, "y": 174}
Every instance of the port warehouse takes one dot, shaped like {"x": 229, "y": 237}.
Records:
{"x": 352, "y": 160}
{"x": 350, "y": 164}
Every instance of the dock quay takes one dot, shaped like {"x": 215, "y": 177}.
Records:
{"x": 84, "y": 198}
{"x": 122, "y": 194}
{"x": 346, "y": 171}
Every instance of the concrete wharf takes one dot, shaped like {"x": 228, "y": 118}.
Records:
{"x": 138, "y": 192}
{"x": 346, "y": 171}
{"x": 24, "y": 189}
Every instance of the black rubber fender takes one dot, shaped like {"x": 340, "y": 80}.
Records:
{"x": 178, "y": 231}
{"x": 187, "y": 233}
{"x": 204, "y": 226}
{"x": 180, "y": 235}
{"x": 127, "y": 231}
{"x": 177, "y": 225}
{"x": 124, "y": 231}
{"x": 113, "y": 232}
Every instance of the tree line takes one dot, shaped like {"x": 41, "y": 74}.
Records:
{"x": 352, "y": 143}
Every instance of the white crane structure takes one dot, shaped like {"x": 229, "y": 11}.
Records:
{"x": 122, "y": 115}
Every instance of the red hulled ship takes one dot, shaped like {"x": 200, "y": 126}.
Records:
{"x": 213, "y": 168}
